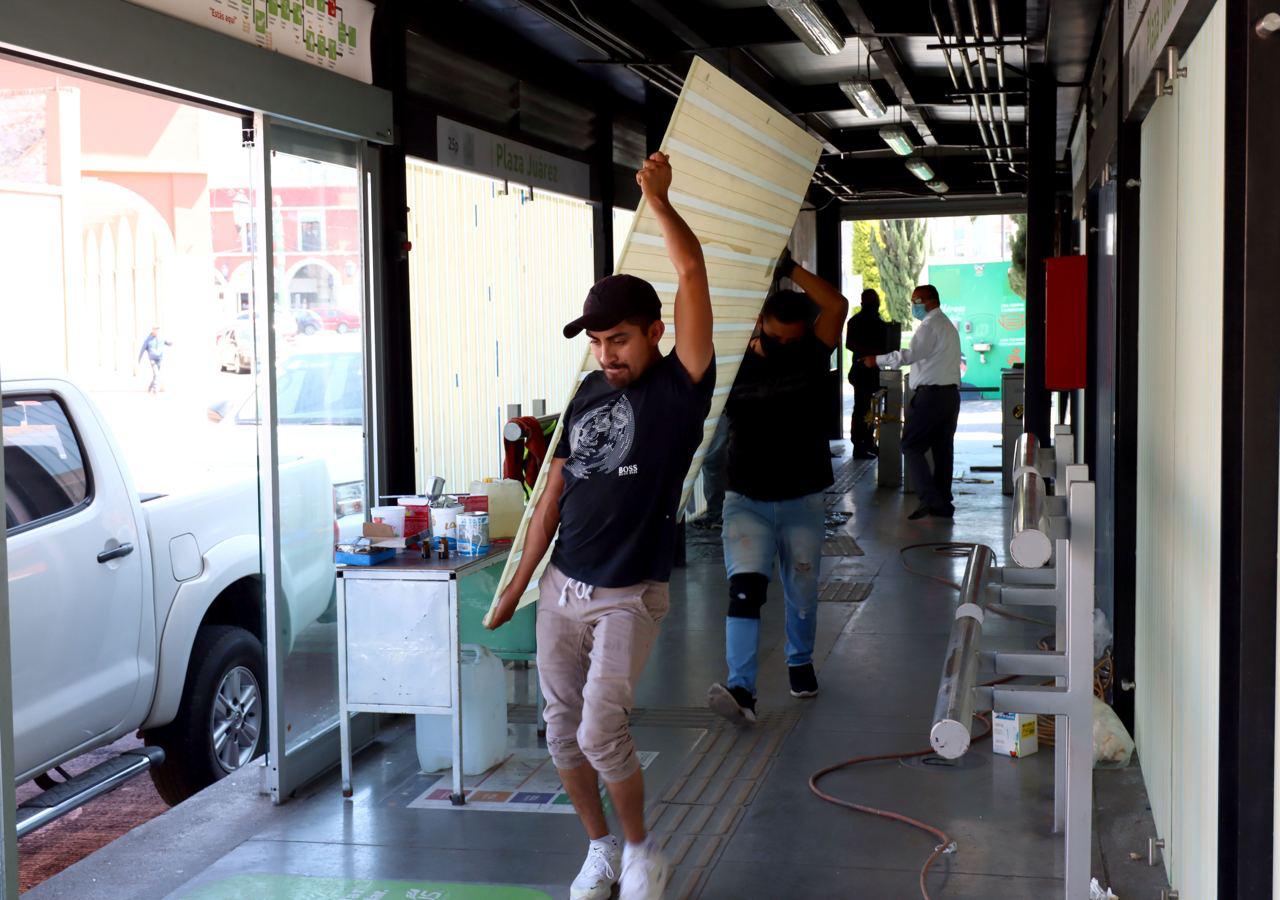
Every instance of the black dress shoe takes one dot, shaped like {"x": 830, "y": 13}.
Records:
{"x": 921, "y": 513}
{"x": 945, "y": 512}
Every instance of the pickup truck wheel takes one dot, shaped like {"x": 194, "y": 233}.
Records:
{"x": 221, "y": 723}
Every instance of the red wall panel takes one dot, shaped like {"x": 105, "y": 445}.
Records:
{"x": 1065, "y": 323}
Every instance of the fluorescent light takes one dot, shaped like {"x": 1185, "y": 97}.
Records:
{"x": 919, "y": 168}
{"x": 864, "y": 96}
{"x": 810, "y": 25}
{"x": 897, "y": 139}
{"x": 938, "y": 186}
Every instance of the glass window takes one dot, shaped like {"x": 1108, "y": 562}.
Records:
{"x": 44, "y": 469}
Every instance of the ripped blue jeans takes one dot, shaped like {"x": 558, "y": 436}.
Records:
{"x": 755, "y": 533}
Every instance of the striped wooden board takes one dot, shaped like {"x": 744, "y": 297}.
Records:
{"x": 740, "y": 173}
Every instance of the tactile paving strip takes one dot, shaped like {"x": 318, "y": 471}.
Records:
{"x": 840, "y": 590}
{"x": 841, "y": 545}
{"x": 847, "y": 476}
{"x": 703, "y": 805}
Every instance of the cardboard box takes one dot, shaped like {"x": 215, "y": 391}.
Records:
{"x": 1014, "y": 734}
{"x": 378, "y": 530}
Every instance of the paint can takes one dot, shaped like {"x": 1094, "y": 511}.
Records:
{"x": 444, "y": 523}
{"x": 473, "y": 534}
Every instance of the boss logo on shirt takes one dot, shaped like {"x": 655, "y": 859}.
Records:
{"x": 628, "y": 470}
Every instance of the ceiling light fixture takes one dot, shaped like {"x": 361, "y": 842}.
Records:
{"x": 938, "y": 186}
{"x": 810, "y": 25}
{"x": 897, "y": 139}
{"x": 919, "y": 168}
{"x": 864, "y": 97}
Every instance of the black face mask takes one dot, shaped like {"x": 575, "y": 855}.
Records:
{"x": 777, "y": 351}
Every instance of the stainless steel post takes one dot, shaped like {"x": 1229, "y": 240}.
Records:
{"x": 1012, "y": 390}
{"x": 1030, "y": 547}
{"x": 953, "y": 711}
{"x": 889, "y": 462}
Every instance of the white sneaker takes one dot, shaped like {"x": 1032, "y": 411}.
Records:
{"x": 599, "y": 872}
{"x": 644, "y": 872}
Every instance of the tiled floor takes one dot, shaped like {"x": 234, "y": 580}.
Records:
{"x": 733, "y": 808}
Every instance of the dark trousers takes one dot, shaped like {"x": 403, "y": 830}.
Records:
{"x": 864, "y": 388}
{"x": 931, "y": 426}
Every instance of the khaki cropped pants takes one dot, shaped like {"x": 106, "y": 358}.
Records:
{"x": 593, "y": 643}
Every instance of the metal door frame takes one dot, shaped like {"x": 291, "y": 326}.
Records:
{"x": 8, "y": 798}
{"x": 286, "y": 770}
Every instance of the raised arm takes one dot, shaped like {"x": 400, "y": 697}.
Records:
{"x": 833, "y": 308}
{"x": 542, "y": 528}
{"x": 693, "y": 318}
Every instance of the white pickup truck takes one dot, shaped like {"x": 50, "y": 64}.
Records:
{"x": 146, "y": 613}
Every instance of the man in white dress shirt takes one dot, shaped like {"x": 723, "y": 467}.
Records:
{"x": 934, "y": 357}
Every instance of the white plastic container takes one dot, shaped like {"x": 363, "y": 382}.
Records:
{"x": 444, "y": 524}
{"x": 484, "y": 719}
{"x": 389, "y": 515}
{"x": 506, "y": 508}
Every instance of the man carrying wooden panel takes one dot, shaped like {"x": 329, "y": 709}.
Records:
{"x": 612, "y": 492}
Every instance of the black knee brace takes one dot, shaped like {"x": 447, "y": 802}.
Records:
{"x": 747, "y": 593}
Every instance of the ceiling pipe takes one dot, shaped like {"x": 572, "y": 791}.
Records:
{"x": 973, "y": 99}
{"x": 982, "y": 67}
{"x": 1004, "y": 106}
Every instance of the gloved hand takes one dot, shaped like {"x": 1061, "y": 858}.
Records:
{"x": 786, "y": 265}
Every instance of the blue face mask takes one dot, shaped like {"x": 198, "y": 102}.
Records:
{"x": 918, "y": 311}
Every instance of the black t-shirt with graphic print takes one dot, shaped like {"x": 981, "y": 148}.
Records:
{"x": 626, "y": 454}
{"x": 778, "y": 418}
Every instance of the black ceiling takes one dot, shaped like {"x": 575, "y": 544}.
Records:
{"x": 973, "y": 137}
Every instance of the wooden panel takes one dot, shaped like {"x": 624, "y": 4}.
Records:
{"x": 740, "y": 172}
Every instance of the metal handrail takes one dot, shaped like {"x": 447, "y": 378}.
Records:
{"x": 511, "y": 431}
{"x": 1030, "y": 546}
{"x": 1026, "y": 454}
{"x": 953, "y": 711}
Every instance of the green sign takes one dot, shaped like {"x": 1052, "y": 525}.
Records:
{"x": 990, "y": 317}
{"x": 306, "y": 887}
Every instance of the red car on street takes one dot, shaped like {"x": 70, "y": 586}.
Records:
{"x": 338, "y": 320}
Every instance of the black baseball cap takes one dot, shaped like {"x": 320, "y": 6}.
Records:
{"x": 613, "y": 300}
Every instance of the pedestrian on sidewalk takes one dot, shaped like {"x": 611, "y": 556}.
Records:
{"x": 153, "y": 347}
{"x": 934, "y": 357}
{"x": 613, "y": 490}
{"x": 779, "y": 470}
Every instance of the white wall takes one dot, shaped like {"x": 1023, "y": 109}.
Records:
{"x": 1179, "y": 460}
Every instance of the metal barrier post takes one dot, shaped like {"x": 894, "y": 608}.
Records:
{"x": 889, "y": 460}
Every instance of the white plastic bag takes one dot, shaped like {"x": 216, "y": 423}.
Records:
{"x": 1101, "y": 633}
{"x": 1112, "y": 746}
{"x": 1098, "y": 892}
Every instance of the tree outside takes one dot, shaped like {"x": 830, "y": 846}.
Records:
{"x": 1018, "y": 250}
{"x": 864, "y": 261}
{"x": 899, "y": 256}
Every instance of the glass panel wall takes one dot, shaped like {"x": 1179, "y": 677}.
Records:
{"x": 318, "y": 273}
{"x": 130, "y": 486}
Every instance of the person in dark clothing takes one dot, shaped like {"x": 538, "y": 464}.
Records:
{"x": 866, "y": 336}
{"x": 779, "y": 470}
{"x": 153, "y": 348}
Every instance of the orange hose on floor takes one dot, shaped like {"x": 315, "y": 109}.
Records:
{"x": 946, "y": 845}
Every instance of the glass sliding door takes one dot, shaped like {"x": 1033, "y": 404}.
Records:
{"x": 314, "y": 442}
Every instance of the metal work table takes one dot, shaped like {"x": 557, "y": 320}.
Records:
{"x": 398, "y": 643}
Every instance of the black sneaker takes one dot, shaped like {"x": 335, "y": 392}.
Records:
{"x": 734, "y": 703}
{"x": 803, "y": 682}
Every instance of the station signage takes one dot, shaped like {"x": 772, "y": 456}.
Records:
{"x": 464, "y": 147}
{"x": 328, "y": 34}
